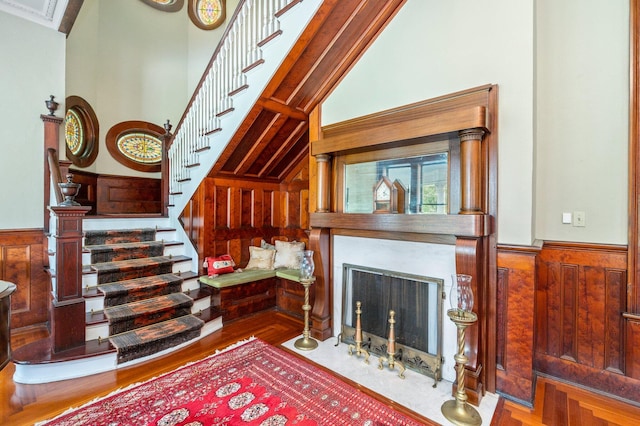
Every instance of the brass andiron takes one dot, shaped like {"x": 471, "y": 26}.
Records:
{"x": 358, "y": 337}
{"x": 306, "y": 343}
{"x": 391, "y": 348}
{"x": 458, "y": 411}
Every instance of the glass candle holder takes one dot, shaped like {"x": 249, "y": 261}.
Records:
{"x": 306, "y": 265}
{"x": 461, "y": 297}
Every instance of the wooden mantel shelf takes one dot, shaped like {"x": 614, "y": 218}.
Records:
{"x": 467, "y": 225}
{"x": 414, "y": 127}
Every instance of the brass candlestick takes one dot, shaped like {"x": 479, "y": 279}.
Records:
{"x": 306, "y": 343}
{"x": 358, "y": 338}
{"x": 391, "y": 348}
{"x": 458, "y": 411}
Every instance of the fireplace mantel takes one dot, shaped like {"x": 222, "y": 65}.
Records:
{"x": 472, "y": 225}
{"x": 468, "y": 117}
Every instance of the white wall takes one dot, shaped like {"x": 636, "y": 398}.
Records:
{"x": 31, "y": 69}
{"x": 141, "y": 64}
{"x": 574, "y": 142}
{"x": 582, "y": 119}
{"x": 135, "y": 58}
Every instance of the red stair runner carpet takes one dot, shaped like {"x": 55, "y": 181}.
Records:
{"x": 251, "y": 384}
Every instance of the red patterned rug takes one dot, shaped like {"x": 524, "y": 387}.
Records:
{"x": 251, "y": 384}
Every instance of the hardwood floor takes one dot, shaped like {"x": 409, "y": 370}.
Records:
{"x": 559, "y": 404}
{"x": 27, "y": 404}
{"x": 556, "y": 403}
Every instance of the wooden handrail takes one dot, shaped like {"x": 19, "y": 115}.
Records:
{"x": 207, "y": 70}
{"x": 56, "y": 175}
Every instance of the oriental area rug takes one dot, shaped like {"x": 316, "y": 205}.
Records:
{"x": 252, "y": 383}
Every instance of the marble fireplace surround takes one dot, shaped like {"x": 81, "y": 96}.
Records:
{"x": 416, "y": 258}
{"x": 463, "y": 241}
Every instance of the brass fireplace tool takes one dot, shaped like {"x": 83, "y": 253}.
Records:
{"x": 391, "y": 348}
{"x": 358, "y": 337}
{"x": 306, "y": 343}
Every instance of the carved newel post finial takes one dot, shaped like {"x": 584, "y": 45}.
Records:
{"x": 52, "y": 105}
{"x": 69, "y": 189}
{"x": 167, "y": 127}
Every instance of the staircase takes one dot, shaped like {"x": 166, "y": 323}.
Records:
{"x": 256, "y": 46}
{"x": 142, "y": 300}
{"x": 138, "y": 300}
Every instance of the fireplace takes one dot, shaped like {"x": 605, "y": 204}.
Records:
{"x": 417, "y": 303}
{"x": 452, "y": 231}
{"x": 427, "y": 262}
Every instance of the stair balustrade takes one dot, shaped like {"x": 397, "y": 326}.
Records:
{"x": 237, "y": 74}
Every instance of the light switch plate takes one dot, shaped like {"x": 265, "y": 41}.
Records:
{"x": 566, "y": 218}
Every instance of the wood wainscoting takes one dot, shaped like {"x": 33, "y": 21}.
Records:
{"x": 113, "y": 195}
{"x": 581, "y": 297}
{"x": 226, "y": 214}
{"x": 561, "y": 313}
{"x": 22, "y": 261}
{"x": 516, "y": 313}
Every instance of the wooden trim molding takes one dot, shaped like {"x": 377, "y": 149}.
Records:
{"x": 633, "y": 297}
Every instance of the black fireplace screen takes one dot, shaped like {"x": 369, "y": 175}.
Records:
{"x": 417, "y": 303}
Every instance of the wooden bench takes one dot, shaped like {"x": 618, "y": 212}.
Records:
{"x": 242, "y": 293}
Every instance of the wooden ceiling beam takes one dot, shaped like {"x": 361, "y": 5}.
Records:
{"x": 276, "y": 106}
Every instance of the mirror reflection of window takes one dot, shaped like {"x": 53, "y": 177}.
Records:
{"x": 424, "y": 177}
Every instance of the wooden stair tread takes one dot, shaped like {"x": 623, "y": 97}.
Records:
{"x": 41, "y": 352}
{"x": 152, "y": 305}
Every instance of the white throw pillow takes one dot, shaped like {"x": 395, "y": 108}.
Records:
{"x": 260, "y": 258}
{"x": 288, "y": 254}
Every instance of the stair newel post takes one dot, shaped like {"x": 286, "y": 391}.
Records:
{"x": 67, "y": 303}
{"x": 51, "y": 140}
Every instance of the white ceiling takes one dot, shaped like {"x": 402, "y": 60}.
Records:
{"x": 48, "y": 13}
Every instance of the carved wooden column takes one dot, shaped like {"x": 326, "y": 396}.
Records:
{"x": 67, "y": 305}
{"x": 319, "y": 242}
{"x": 470, "y": 260}
{"x": 51, "y": 140}
{"x": 324, "y": 174}
{"x": 471, "y": 182}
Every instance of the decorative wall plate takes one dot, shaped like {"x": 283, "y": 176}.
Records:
{"x": 165, "y": 5}
{"x": 137, "y": 145}
{"x": 80, "y": 128}
{"x": 207, "y": 14}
